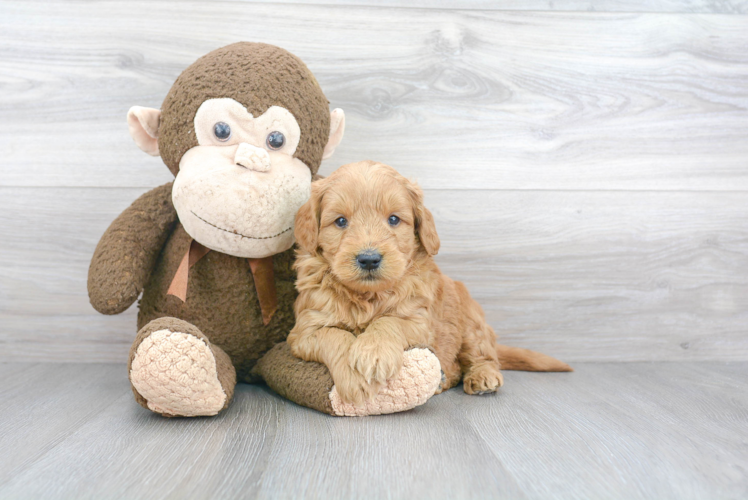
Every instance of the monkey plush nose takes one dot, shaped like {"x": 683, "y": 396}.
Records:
{"x": 369, "y": 260}
{"x": 252, "y": 157}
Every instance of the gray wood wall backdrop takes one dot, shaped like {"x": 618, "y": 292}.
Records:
{"x": 587, "y": 162}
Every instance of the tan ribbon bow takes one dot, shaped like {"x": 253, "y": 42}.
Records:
{"x": 262, "y": 272}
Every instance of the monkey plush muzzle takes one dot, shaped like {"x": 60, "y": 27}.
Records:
{"x": 252, "y": 157}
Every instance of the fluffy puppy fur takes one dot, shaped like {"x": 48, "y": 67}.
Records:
{"x": 359, "y": 322}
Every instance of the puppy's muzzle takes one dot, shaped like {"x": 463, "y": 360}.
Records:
{"x": 369, "y": 260}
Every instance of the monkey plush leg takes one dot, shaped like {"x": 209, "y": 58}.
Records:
{"x": 310, "y": 384}
{"x": 175, "y": 371}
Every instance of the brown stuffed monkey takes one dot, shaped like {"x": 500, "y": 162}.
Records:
{"x": 243, "y": 130}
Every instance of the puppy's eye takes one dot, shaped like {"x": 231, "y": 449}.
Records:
{"x": 222, "y": 131}
{"x": 341, "y": 222}
{"x": 394, "y": 220}
{"x": 276, "y": 140}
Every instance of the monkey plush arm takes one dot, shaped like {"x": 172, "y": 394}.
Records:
{"x": 127, "y": 252}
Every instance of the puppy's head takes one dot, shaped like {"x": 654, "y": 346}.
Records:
{"x": 368, "y": 222}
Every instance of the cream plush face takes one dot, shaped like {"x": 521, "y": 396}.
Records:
{"x": 238, "y": 191}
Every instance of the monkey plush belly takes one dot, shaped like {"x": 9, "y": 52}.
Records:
{"x": 222, "y": 301}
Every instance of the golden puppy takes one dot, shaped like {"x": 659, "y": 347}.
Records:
{"x": 369, "y": 289}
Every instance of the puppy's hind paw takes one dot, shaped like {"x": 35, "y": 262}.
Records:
{"x": 412, "y": 386}
{"x": 483, "y": 379}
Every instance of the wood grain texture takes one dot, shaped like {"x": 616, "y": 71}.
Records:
{"x": 41, "y": 405}
{"x": 580, "y": 275}
{"x": 615, "y": 430}
{"x": 587, "y": 170}
{"x": 462, "y": 99}
{"x": 675, "y": 6}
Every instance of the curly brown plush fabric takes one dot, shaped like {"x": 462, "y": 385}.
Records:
{"x": 222, "y": 301}
{"x": 123, "y": 259}
{"x": 141, "y": 251}
{"x": 306, "y": 383}
{"x": 256, "y": 75}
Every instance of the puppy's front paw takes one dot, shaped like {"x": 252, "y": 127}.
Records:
{"x": 413, "y": 385}
{"x": 375, "y": 360}
{"x": 352, "y": 388}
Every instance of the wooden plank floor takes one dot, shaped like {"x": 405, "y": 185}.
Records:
{"x": 608, "y": 430}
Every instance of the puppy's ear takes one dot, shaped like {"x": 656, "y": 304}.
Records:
{"x": 306, "y": 226}
{"x": 424, "y": 220}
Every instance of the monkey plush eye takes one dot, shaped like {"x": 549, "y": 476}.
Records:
{"x": 394, "y": 220}
{"x": 222, "y": 131}
{"x": 341, "y": 222}
{"x": 276, "y": 140}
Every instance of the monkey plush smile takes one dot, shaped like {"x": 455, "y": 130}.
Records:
{"x": 239, "y": 234}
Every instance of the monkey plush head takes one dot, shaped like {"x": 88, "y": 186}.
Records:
{"x": 243, "y": 129}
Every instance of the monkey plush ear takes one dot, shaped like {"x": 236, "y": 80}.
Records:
{"x": 306, "y": 226}
{"x": 337, "y": 127}
{"x": 143, "y": 124}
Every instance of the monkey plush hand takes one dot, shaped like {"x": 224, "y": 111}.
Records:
{"x": 244, "y": 130}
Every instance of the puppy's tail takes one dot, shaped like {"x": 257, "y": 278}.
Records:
{"x": 514, "y": 358}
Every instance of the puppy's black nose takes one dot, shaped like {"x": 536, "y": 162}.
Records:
{"x": 369, "y": 260}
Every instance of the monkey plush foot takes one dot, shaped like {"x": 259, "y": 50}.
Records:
{"x": 175, "y": 371}
{"x": 310, "y": 384}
